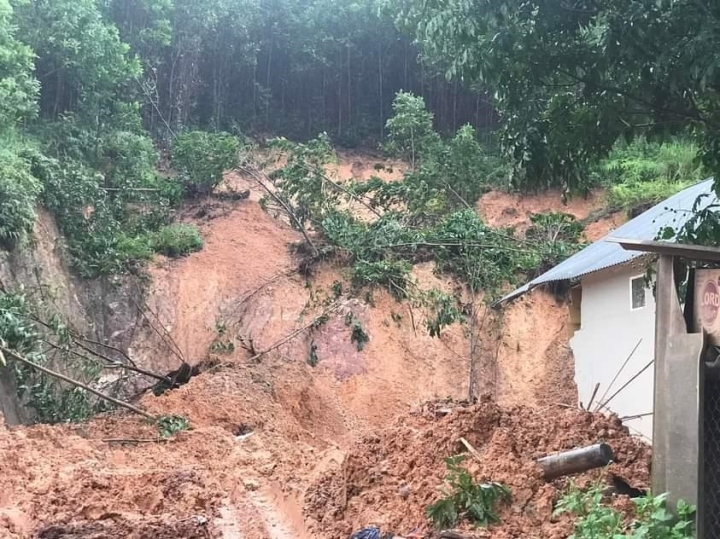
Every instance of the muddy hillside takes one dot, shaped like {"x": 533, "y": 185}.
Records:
{"x": 297, "y": 429}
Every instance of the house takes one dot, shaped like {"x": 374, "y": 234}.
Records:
{"x": 612, "y": 311}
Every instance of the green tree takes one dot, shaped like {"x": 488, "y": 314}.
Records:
{"x": 410, "y": 129}
{"x": 572, "y": 78}
{"x": 18, "y": 86}
{"x": 83, "y": 65}
{"x": 18, "y": 102}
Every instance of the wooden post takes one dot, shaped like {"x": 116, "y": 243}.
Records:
{"x": 575, "y": 461}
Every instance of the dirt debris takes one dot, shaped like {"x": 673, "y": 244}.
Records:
{"x": 274, "y": 437}
{"x": 116, "y": 527}
{"x": 408, "y": 458}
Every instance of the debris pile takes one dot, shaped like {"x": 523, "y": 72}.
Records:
{"x": 388, "y": 479}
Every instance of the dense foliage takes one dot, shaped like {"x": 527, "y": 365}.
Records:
{"x": 570, "y": 79}
{"x": 643, "y": 173}
{"x": 49, "y": 400}
{"x": 294, "y": 67}
{"x": 427, "y": 216}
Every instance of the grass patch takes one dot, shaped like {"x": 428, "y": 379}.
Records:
{"x": 178, "y": 240}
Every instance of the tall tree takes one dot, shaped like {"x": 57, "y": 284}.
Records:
{"x": 570, "y": 77}
{"x": 18, "y": 86}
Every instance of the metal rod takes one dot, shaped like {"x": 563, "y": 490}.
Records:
{"x": 611, "y": 397}
{"x": 618, "y": 374}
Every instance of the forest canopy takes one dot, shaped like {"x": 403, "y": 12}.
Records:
{"x": 94, "y": 92}
{"x": 571, "y": 77}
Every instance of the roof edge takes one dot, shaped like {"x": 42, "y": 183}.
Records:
{"x": 529, "y": 287}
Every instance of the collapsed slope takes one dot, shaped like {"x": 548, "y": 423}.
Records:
{"x": 112, "y": 478}
{"x": 242, "y": 295}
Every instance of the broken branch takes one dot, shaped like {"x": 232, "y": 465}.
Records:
{"x": 69, "y": 380}
{"x": 470, "y": 448}
{"x": 256, "y": 175}
{"x": 135, "y": 441}
{"x": 292, "y": 335}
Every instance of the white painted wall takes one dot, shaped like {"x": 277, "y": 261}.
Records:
{"x": 609, "y": 330}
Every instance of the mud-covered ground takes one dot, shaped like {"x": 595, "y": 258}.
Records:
{"x": 281, "y": 449}
{"x": 389, "y": 478}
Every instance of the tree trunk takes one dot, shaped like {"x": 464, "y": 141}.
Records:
{"x": 575, "y": 461}
{"x": 380, "y": 78}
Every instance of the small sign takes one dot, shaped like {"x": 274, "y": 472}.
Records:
{"x": 707, "y": 303}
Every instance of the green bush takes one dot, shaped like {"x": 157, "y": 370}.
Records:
{"x": 466, "y": 499}
{"x": 178, "y": 240}
{"x": 18, "y": 195}
{"x": 643, "y": 173}
{"x": 200, "y": 159}
{"x": 598, "y": 521}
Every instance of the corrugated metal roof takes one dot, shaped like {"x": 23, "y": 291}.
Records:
{"x": 674, "y": 211}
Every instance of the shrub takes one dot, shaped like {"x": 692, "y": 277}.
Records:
{"x": 178, "y": 240}
{"x": 598, "y": 521}
{"x": 200, "y": 159}
{"x": 18, "y": 194}
{"x": 467, "y": 500}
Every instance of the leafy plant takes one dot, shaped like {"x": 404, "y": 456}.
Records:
{"x": 222, "y": 344}
{"x": 170, "y": 425}
{"x": 19, "y": 191}
{"x": 466, "y": 499}
{"x": 302, "y": 182}
{"x": 442, "y": 311}
{"x": 201, "y": 159}
{"x": 177, "y": 240}
{"x": 598, "y": 521}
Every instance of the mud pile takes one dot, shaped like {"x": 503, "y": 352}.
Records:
{"x": 113, "y": 477}
{"x": 389, "y": 479}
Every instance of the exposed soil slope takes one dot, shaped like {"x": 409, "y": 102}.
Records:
{"x": 273, "y": 433}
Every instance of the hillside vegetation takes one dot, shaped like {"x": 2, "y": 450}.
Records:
{"x": 304, "y": 306}
{"x": 115, "y": 114}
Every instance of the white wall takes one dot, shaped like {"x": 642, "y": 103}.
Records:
{"x": 609, "y": 330}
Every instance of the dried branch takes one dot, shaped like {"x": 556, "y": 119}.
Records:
{"x": 108, "y": 362}
{"x": 59, "y": 376}
{"x": 294, "y": 334}
{"x": 164, "y": 335}
{"x": 258, "y": 177}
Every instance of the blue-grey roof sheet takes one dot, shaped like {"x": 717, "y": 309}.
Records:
{"x": 674, "y": 211}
